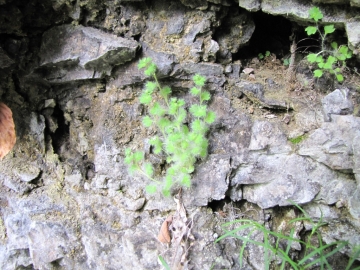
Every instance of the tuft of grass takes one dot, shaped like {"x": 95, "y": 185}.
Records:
{"x": 313, "y": 256}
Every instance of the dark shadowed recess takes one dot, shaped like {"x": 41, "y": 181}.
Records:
{"x": 271, "y": 34}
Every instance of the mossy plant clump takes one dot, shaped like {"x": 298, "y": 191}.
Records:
{"x": 180, "y": 141}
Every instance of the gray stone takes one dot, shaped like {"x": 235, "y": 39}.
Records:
{"x": 250, "y": 5}
{"x": 177, "y": 24}
{"x": 164, "y": 61}
{"x": 50, "y": 103}
{"x": 353, "y": 34}
{"x": 235, "y": 34}
{"x": 273, "y": 180}
{"x": 18, "y": 226}
{"x": 317, "y": 211}
{"x": 354, "y": 204}
{"x": 131, "y": 204}
{"x": 15, "y": 259}
{"x": 34, "y": 205}
{"x": 184, "y": 33}
{"x": 48, "y": 242}
{"x": 268, "y": 137}
{"x": 256, "y": 93}
{"x": 211, "y": 48}
{"x": 341, "y": 230}
{"x": 332, "y": 144}
{"x": 337, "y": 102}
{"x": 37, "y": 127}
{"x": 210, "y": 182}
{"x": 27, "y": 172}
{"x": 83, "y": 51}
{"x": 214, "y": 73}
{"x": 198, "y": 4}
{"x": 74, "y": 180}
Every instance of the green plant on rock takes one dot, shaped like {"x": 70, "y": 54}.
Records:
{"x": 262, "y": 56}
{"x": 181, "y": 136}
{"x": 330, "y": 59}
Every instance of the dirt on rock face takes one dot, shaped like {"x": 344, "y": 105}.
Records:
{"x": 67, "y": 199}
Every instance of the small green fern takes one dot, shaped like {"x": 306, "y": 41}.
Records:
{"x": 182, "y": 143}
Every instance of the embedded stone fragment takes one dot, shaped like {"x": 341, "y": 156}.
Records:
{"x": 333, "y": 143}
{"x": 48, "y": 242}
{"x": 337, "y": 102}
{"x": 27, "y": 172}
{"x": 78, "y": 52}
{"x": 210, "y": 181}
{"x": 270, "y": 180}
{"x": 257, "y": 94}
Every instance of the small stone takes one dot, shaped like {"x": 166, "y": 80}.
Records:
{"x": 248, "y": 70}
{"x": 251, "y": 110}
{"x": 27, "y": 172}
{"x": 338, "y": 102}
{"x": 228, "y": 69}
{"x": 50, "y": 103}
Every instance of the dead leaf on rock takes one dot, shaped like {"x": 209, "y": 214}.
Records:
{"x": 7, "y": 130}
{"x": 164, "y": 234}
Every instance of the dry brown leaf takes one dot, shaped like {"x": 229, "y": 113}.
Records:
{"x": 7, "y": 130}
{"x": 164, "y": 234}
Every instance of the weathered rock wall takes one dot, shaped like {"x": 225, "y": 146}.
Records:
{"x": 69, "y": 74}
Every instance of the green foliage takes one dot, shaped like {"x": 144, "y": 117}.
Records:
{"x": 328, "y": 59}
{"x": 286, "y": 62}
{"x": 297, "y": 140}
{"x": 315, "y": 14}
{"x": 278, "y": 245}
{"x": 262, "y": 56}
{"x": 182, "y": 131}
{"x": 164, "y": 263}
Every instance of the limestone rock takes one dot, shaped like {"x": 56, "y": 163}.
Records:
{"x": 332, "y": 143}
{"x": 48, "y": 242}
{"x": 210, "y": 181}
{"x": 338, "y": 102}
{"x": 268, "y": 137}
{"x": 27, "y": 172}
{"x": 234, "y": 34}
{"x": 257, "y": 93}
{"x": 78, "y": 52}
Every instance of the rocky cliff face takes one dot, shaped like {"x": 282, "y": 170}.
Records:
{"x": 69, "y": 74}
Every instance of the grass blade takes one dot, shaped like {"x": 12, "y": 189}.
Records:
{"x": 352, "y": 259}
{"x": 163, "y": 262}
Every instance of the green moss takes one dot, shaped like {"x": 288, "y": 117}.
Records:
{"x": 297, "y": 140}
